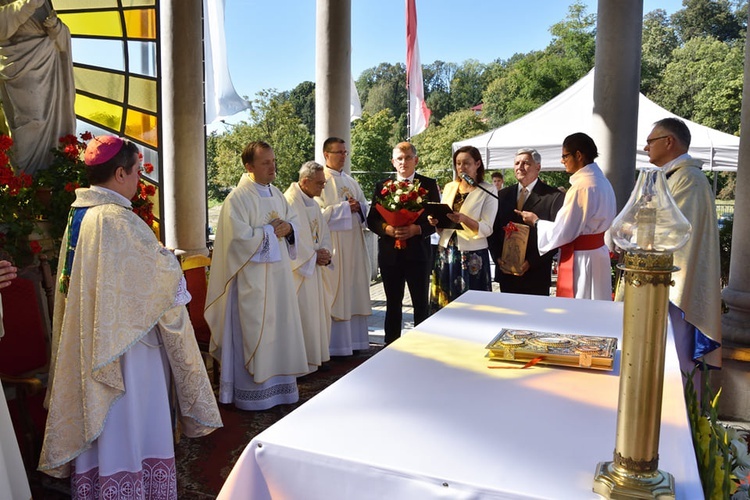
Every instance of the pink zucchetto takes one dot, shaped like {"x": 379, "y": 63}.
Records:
{"x": 101, "y": 149}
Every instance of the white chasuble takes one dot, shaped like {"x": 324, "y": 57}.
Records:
{"x": 313, "y": 282}
{"x": 268, "y": 315}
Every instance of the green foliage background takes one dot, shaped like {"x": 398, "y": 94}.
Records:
{"x": 692, "y": 64}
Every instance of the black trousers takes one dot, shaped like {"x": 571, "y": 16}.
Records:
{"x": 414, "y": 274}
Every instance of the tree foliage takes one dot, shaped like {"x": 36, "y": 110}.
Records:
{"x": 703, "y": 82}
{"x": 434, "y": 145}
{"x": 708, "y": 18}
{"x": 274, "y": 121}
{"x": 372, "y": 143}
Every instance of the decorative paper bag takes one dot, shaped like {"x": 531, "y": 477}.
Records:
{"x": 514, "y": 248}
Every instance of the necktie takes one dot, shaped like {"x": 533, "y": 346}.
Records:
{"x": 522, "y": 198}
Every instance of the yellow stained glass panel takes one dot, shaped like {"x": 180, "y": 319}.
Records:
{"x": 142, "y": 94}
{"x": 142, "y": 127}
{"x": 93, "y": 23}
{"x": 101, "y": 83}
{"x": 61, "y": 5}
{"x": 141, "y": 23}
{"x": 106, "y": 114}
{"x": 84, "y": 4}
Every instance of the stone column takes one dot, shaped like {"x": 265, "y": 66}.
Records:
{"x": 734, "y": 403}
{"x": 183, "y": 134}
{"x": 616, "y": 89}
{"x": 333, "y": 74}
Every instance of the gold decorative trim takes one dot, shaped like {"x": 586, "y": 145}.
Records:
{"x": 639, "y": 466}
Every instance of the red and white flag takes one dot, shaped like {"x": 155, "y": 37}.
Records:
{"x": 419, "y": 113}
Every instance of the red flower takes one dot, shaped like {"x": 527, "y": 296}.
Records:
{"x": 5, "y": 142}
{"x": 71, "y": 186}
{"x": 69, "y": 140}
{"x": 71, "y": 151}
{"x": 413, "y": 195}
{"x": 403, "y": 198}
{"x": 25, "y": 180}
{"x": 148, "y": 189}
{"x": 148, "y": 167}
{"x": 422, "y": 191}
{"x": 87, "y": 136}
{"x": 384, "y": 191}
{"x": 393, "y": 187}
{"x": 35, "y": 247}
{"x": 6, "y": 174}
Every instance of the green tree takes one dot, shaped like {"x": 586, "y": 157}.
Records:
{"x": 466, "y": 85}
{"x": 273, "y": 120}
{"x": 435, "y": 144}
{"x": 302, "y": 99}
{"x": 708, "y": 18}
{"x": 372, "y": 143}
{"x": 527, "y": 81}
{"x": 658, "y": 41}
{"x": 703, "y": 82}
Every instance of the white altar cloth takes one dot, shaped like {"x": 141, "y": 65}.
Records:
{"x": 426, "y": 418}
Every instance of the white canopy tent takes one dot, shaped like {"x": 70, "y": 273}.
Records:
{"x": 545, "y": 128}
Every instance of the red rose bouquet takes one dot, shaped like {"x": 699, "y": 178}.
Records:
{"x": 400, "y": 204}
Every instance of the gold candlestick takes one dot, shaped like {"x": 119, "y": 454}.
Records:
{"x": 649, "y": 229}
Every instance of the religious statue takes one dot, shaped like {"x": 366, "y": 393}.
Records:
{"x": 36, "y": 80}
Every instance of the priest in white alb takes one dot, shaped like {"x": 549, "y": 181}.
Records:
{"x": 345, "y": 210}
{"x": 251, "y": 304}
{"x": 312, "y": 267}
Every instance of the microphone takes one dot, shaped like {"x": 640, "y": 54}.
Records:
{"x": 472, "y": 182}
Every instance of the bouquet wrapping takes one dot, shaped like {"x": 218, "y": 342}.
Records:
{"x": 400, "y": 204}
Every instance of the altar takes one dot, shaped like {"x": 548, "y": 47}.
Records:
{"x": 427, "y": 418}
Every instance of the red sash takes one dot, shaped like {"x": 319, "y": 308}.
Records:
{"x": 565, "y": 271}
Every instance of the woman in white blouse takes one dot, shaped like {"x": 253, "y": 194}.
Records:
{"x": 463, "y": 261}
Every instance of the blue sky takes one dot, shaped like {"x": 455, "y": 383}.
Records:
{"x": 271, "y": 44}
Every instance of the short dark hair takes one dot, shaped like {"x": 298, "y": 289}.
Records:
{"x": 248, "y": 154}
{"x": 126, "y": 158}
{"x": 677, "y": 128}
{"x": 496, "y": 175}
{"x": 474, "y": 153}
{"x": 583, "y": 143}
{"x": 330, "y": 142}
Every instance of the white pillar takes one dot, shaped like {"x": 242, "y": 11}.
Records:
{"x": 735, "y": 324}
{"x": 183, "y": 135}
{"x": 333, "y": 73}
{"x": 616, "y": 88}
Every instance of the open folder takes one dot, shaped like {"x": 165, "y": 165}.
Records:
{"x": 440, "y": 211}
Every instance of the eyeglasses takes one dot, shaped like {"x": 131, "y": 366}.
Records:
{"x": 565, "y": 156}
{"x": 345, "y": 152}
{"x": 649, "y": 141}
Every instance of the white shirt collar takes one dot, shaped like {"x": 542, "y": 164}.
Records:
{"x": 669, "y": 166}
{"x": 410, "y": 178}
{"x": 529, "y": 187}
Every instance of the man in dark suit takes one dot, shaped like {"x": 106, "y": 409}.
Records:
{"x": 410, "y": 265}
{"x": 532, "y": 195}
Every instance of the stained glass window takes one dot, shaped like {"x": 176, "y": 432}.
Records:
{"x": 114, "y": 48}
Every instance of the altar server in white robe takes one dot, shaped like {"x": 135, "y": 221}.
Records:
{"x": 578, "y": 229}
{"x": 697, "y": 285}
{"x": 345, "y": 210}
{"x": 120, "y": 329}
{"x": 13, "y": 482}
{"x": 251, "y": 304}
{"x": 312, "y": 265}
